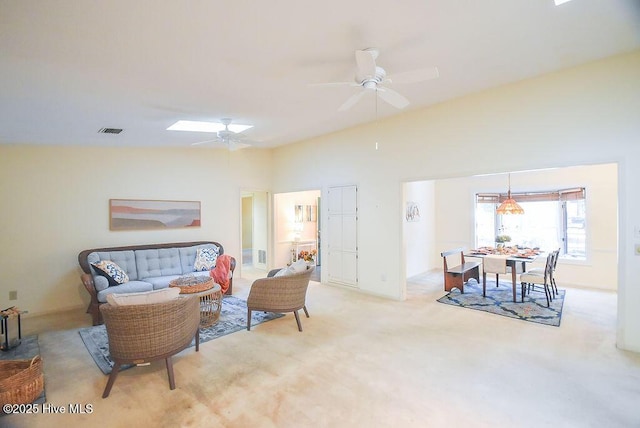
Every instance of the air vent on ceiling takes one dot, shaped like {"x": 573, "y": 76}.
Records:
{"x": 110, "y": 131}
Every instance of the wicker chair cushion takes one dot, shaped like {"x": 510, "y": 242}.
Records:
{"x": 146, "y": 297}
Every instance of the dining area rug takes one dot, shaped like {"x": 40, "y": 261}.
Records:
{"x": 233, "y": 317}
{"x": 499, "y": 301}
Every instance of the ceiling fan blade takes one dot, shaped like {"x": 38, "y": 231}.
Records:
{"x": 334, "y": 84}
{"x": 393, "y": 98}
{"x": 352, "y": 100}
{"x": 204, "y": 142}
{"x": 415, "y": 76}
{"x": 366, "y": 64}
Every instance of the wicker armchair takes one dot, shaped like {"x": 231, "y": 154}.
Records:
{"x": 143, "y": 333}
{"x": 279, "y": 294}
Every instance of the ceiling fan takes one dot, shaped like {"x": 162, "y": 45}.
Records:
{"x": 371, "y": 77}
{"x": 231, "y": 136}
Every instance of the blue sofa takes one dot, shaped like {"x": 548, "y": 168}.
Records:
{"x": 148, "y": 267}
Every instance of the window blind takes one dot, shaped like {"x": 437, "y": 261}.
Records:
{"x": 573, "y": 194}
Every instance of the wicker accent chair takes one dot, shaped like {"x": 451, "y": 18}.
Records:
{"x": 142, "y": 333}
{"x": 279, "y": 294}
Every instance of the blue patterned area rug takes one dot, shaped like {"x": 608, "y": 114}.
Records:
{"x": 27, "y": 349}
{"x": 499, "y": 301}
{"x": 233, "y": 317}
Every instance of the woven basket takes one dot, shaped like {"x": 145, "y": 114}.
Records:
{"x": 21, "y": 381}
{"x": 192, "y": 284}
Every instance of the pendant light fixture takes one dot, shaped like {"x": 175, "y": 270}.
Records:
{"x": 510, "y": 206}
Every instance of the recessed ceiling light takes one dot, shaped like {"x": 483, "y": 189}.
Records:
{"x": 197, "y": 126}
{"x": 559, "y": 2}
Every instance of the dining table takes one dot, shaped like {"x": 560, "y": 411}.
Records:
{"x": 513, "y": 260}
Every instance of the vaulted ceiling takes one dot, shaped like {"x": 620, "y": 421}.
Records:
{"x": 71, "y": 67}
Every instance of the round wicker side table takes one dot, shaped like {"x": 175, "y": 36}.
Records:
{"x": 209, "y": 293}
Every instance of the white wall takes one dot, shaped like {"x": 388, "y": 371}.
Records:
{"x": 420, "y": 236}
{"x": 583, "y": 115}
{"x": 55, "y": 203}
{"x": 455, "y": 205}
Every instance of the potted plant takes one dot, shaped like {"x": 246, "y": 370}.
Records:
{"x": 501, "y": 239}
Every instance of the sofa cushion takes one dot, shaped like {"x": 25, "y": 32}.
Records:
{"x": 115, "y": 274}
{"x": 127, "y": 287}
{"x": 188, "y": 256}
{"x": 205, "y": 259}
{"x": 158, "y": 262}
{"x": 143, "y": 298}
{"x": 99, "y": 282}
{"x": 160, "y": 282}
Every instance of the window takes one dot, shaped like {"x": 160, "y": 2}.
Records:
{"x": 551, "y": 220}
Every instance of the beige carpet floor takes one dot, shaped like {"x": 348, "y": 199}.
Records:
{"x": 363, "y": 361}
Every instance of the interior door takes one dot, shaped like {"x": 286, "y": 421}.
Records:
{"x": 342, "y": 242}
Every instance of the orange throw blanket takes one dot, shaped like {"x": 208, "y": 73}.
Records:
{"x": 220, "y": 273}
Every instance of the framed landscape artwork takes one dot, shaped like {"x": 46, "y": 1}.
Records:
{"x": 137, "y": 214}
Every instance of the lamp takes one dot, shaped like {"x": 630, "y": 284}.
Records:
{"x": 510, "y": 206}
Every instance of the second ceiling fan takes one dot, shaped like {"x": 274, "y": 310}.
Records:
{"x": 233, "y": 139}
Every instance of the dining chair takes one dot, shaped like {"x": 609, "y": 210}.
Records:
{"x": 530, "y": 279}
{"x": 554, "y": 264}
{"x": 493, "y": 263}
{"x": 556, "y": 256}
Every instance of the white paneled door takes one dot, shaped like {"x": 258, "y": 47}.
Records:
{"x": 342, "y": 242}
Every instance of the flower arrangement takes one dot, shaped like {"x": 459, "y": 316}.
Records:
{"x": 503, "y": 238}
{"x": 307, "y": 256}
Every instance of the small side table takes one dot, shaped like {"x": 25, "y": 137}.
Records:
{"x": 210, "y": 305}
{"x": 11, "y": 337}
{"x": 209, "y": 293}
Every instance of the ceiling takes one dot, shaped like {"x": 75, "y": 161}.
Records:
{"x": 71, "y": 67}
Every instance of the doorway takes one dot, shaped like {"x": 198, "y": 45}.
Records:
{"x": 297, "y": 228}
{"x": 254, "y": 231}
{"x": 447, "y": 219}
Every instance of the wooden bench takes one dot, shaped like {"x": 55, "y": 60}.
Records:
{"x": 458, "y": 275}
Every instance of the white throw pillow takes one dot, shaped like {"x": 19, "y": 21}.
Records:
{"x": 282, "y": 272}
{"x": 297, "y": 267}
{"x": 110, "y": 270}
{"x": 205, "y": 259}
{"x": 144, "y": 297}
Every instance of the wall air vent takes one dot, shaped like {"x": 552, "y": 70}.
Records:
{"x": 110, "y": 131}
